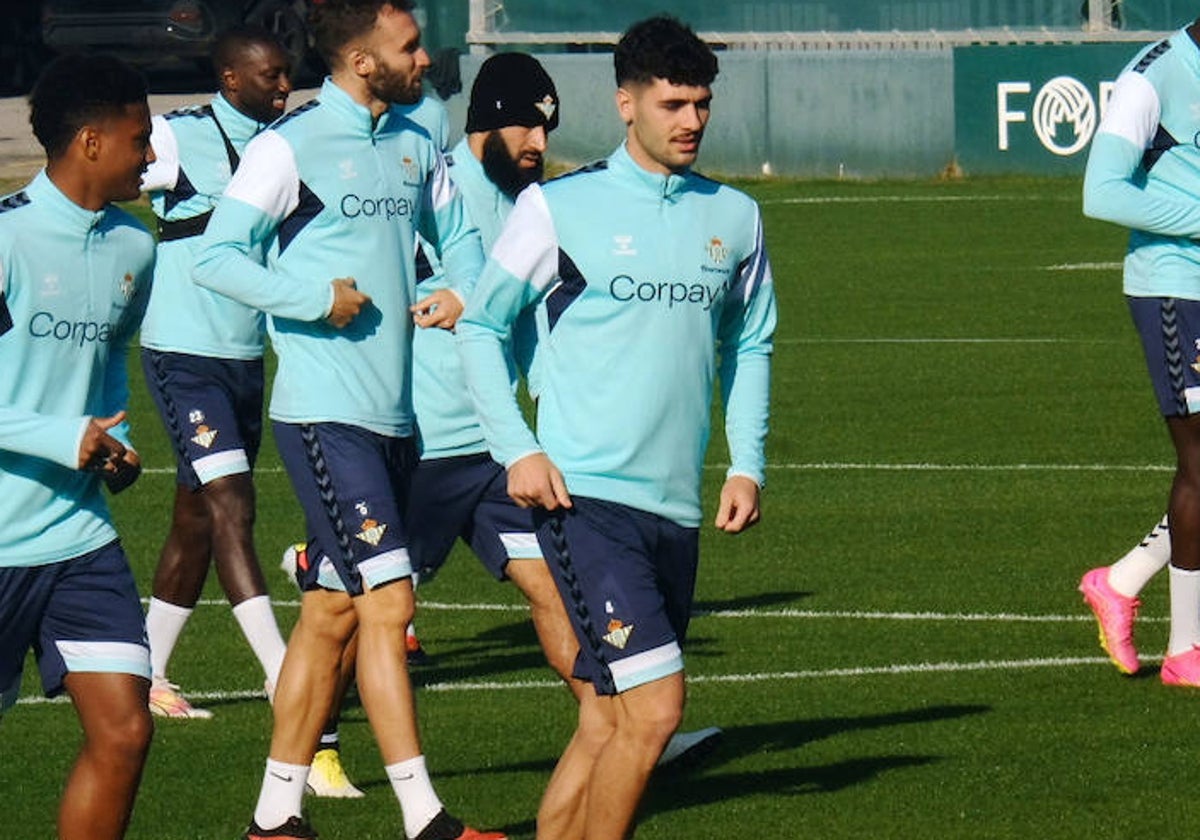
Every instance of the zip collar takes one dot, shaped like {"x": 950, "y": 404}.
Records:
{"x": 355, "y": 116}
{"x": 239, "y": 127}
{"x": 62, "y": 209}
{"x": 664, "y": 186}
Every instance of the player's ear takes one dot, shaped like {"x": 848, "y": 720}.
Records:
{"x": 625, "y": 105}
{"x": 361, "y": 61}
{"x": 89, "y": 140}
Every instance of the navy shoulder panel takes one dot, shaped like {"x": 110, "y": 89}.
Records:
{"x": 1149, "y": 58}
{"x": 594, "y": 166}
{"x": 295, "y": 112}
{"x": 12, "y": 202}
{"x": 1161, "y": 143}
{"x": 308, "y": 209}
{"x": 196, "y": 112}
{"x": 567, "y": 292}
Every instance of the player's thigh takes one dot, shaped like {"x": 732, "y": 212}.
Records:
{"x": 500, "y": 531}
{"x": 442, "y": 499}
{"x": 24, "y": 592}
{"x": 1169, "y": 330}
{"x": 351, "y": 483}
{"x": 93, "y": 621}
{"x": 605, "y": 561}
{"x": 211, "y": 410}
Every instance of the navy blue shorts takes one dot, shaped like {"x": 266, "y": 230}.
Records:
{"x": 1170, "y": 333}
{"x": 627, "y": 578}
{"x": 352, "y": 484}
{"x": 212, "y": 411}
{"x": 466, "y": 496}
{"x": 80, "y": 615}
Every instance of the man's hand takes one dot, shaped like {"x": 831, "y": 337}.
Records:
{"x": 534, "y": 481}
{"x": 348, "y": 301}
{"x": 440, "y": 309}
{"x": 738, "y": 509}
{"x": 99, "y": 451}
{"x": 128, "y": 468}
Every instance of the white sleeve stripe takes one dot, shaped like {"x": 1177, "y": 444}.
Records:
{"x": 442, "y": 189}
{"x": 757, "y": 270}
{"x": 528, "y": 245}
{"x": 1133, "y": 110}
{"x": 267, "y": 179}
{"x": 163, "y": 174}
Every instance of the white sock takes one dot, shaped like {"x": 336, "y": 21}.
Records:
{"x": 1131, "y": 573}
{"x": 164, "y": 623}
{"x": 410, "y": 632}
{"x": 418, "y": 802}
{"x": 282, "y": 790}
{"x": 1185, "y": 611}
{"x": 258, "y": 625}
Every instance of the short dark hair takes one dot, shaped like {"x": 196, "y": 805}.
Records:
{"x": 663, "y": 47}
{"x": 236, "y": 40}
{"x": 75, "y": 90}
{"x": 335, "y": 23}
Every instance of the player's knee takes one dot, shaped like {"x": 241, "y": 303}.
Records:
{"x": 391, "y": 604}
{"x": 123, "y": 740}
{"x": 332, "y": 628}
{"x": 191, "y": 519}
{"x": 595, "y": 728}
{"x": 652, "y": 717}
{"x": 230, "y": 501}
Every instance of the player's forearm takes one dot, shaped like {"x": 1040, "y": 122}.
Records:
{"x": 49, "y": 437}
{"x": 747, "y": 409}
{"x": 116, "y": 393}
{"x": 508, "y": 437}
{"x": 459, "y": 249}
{"x": 225, "y": 265}
{"x": 1110, "y": 194}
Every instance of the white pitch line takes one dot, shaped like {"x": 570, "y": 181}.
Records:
{"x": 931, "y": 467}
{"x": 951, "y": 340}
{"x": 786, "y": 612}
{"x": 914, "y": 199}
{"x": 916, "y": 668}
{"x": 1085, "y": 266}
{"x": 873, "y": 615}
{"x": 715, "y": 679}
{"x": 837, "y": 466}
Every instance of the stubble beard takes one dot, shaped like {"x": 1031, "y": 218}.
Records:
{"x": 505, "y": 172}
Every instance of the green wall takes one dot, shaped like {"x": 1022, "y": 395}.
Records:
{"x": 866, "y": 113}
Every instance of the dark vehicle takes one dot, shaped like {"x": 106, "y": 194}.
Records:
{"x": 21, "y": 50}
{"x": 150, "y": 32}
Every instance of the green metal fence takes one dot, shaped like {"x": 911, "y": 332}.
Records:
{"x": 795, "y": 16}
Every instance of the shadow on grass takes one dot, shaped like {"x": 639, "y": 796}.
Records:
{"x": 756, "y": 739}
{"x": 513, "y": 646}
{"x": 672, "y": 790}
{"x": 766, "y": 599}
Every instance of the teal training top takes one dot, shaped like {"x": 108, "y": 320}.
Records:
{"x": 1143, "y": 171}
{"x": 185, "y": 181}
{"x": 73, "y": 286}
{"x": 327, "y": 192}
{"x": 635, "y": 279}
{"x": 445, "y": 414}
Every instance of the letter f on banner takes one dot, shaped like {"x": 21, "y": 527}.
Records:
{"x": 1003, "y": 115}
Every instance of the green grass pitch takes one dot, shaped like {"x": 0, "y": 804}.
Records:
{"x": 962, "y": 426}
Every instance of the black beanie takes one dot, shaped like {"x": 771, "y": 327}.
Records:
{"x": 512, "y": 89}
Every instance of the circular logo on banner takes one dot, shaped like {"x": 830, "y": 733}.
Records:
{"x": 1064, "y": 115}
